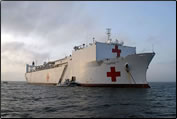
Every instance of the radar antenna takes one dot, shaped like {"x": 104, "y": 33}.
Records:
{"x": 109, "y": 34}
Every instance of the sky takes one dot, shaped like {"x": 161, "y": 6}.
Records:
{"x": 48, "y": 30}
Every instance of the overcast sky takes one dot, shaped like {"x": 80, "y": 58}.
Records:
{"x": 44, "y": 30}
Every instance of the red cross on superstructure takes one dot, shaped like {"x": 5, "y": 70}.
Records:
{"x": 116, "y": 50}
{"x": 113, "y": 74}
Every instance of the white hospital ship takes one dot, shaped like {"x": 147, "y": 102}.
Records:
{"x": 104, "y": 64}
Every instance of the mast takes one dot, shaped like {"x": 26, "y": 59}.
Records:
{"x": 109, "y": 35}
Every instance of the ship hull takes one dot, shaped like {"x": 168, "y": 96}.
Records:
{"x": 103, "y": 73}
{"x": 46, "y": 76}
{"x": 96, "y": 72}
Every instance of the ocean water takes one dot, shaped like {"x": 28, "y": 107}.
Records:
{"x": 19, "y": 99}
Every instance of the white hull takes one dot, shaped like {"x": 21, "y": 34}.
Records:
{"x": 95, "y": 73}
{"x": 48, "y": 76}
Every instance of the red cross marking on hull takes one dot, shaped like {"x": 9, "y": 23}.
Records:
{"x": 113, "y": 74}
{"x": 116, "y": 50}
{"x": 47, "y": 77}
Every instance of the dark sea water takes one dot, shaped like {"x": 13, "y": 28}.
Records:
{"x": 19, "y": 99}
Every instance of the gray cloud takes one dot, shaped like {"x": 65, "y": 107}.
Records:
{"x": 20, "y": 47}
{"x": 55, "y": 22}
{"x": 15, "y": 55}
{"x": 24, "y": 17}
